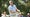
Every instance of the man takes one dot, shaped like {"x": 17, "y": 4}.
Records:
{"x": 5, "y": 15}
{"x": 12, "y": 8}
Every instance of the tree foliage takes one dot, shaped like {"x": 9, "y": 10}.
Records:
{"x": 21, "y": 6}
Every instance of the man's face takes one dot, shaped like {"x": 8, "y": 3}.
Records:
{"x": 5, "y": 13}
{"x": 11, "y": 3}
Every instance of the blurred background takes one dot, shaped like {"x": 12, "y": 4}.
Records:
{"x": 22, "y": 5}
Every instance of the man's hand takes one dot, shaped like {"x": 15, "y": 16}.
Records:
{"x": 18, "y": 10}
{"x": 11, "y": 11}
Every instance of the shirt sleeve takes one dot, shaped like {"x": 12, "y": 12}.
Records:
{"x": 15, "y": 6}
{"x": 8, "y": 8}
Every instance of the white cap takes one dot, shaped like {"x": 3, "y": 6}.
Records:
{"x": 10, "y": 1}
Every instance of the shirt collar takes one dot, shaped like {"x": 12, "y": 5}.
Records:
{"x": 11, "y": 5}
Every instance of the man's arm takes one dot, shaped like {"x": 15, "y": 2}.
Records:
{"x": 16, "y": 7}
{"x": 17, "y": 10}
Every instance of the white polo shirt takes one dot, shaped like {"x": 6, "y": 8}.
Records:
{"x": 13, "y": 8}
